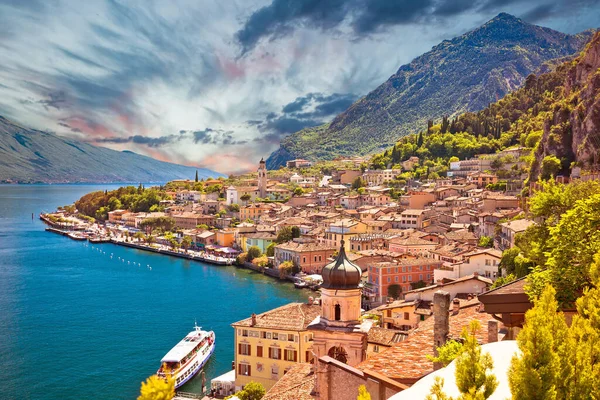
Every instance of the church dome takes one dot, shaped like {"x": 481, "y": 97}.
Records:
{"x": 341, "y": 273}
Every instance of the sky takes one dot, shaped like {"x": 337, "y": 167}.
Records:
{"x": 217, "y": 84}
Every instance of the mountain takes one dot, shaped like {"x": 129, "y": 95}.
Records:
{"x": 463, "y": 74}
{"x": 31, "y": 156}
{"x": 554, "y": 118}
{"x": 571, "y": 130}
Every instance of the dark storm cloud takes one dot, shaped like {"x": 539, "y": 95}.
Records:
{"x": 539, "y": 13}
{"x": 139, "y": 139}
{"x": 368, "y": 16}
{"x": 306, "y": 111}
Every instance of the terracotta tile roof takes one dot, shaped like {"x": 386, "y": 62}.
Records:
{"x": 407, "y": 361}
{"x": 412, "y": 241}
{"x": 385, "y": 337}
{"x": 514, "y": 287}
{"x": 292, "y": 317}
{"x": 297, "y": 384}
{"x": 460, "y": 235}
{"x": 301, "y": 247}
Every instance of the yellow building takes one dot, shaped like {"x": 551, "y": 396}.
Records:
{"x": 343, "y": 230}
{"x": 269, "y": 344}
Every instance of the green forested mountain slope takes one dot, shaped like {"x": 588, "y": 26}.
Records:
{"x": 463, "y": 74}
{"x": 556, "y": 115}
{"x": 28, "y": 155}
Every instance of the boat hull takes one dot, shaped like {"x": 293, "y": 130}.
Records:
{"x": 195, "y": 371}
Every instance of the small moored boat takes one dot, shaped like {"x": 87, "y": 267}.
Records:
{"x": 188, "y": 356}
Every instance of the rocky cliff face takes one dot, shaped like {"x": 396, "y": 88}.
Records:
{"x": 572, "y": 134}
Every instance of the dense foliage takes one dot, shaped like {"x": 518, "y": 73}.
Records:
{"x": 98, "y": 204}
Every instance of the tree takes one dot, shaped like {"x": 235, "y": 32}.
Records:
{"x": 473, "y": 369}
{"x": 203, "y": 227}
{"x": 186, "y": 243}
{"x": 139, "y": 236}
{"x": 358, "y": 183}
{"x": 295, "y": 232}
{"x": 486, "y": 241}
{"x": 114, "y": 204}
{"x": 162, "y": 223}
{"x": 363, "y": 394}
{"x": 156, "y": 388}
{"x": 298, "y": 191}
{"x": 285, "y": 269}
{"x": 503, "y": 280}
{"x": 253, "y": 252}
{"x": 252, "y": 391}
{"x": 262, "y": 261}
{"x": 361, "y": 190}
{"x": 245, "y": 197}
{"x": 150, "y": 239}
{"x": 508, "y": 259}
{"x": 394, "y": 291}
{"x": 196, "y": 179}
{"x": 573, "y": 243}
{"x": 447, "y": 352}
{"x": 474, "y": 379}
{"x": 271, "y": 250}
{"x": 284, "y": 235}
{"x": 418, "y": 285}
{"x": 537, "y": 372}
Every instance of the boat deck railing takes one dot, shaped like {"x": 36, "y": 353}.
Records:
{"x": 188, "y": 395}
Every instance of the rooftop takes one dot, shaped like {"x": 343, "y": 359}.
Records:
{"x": 291, "y": 317}
{"x": 297, "y": 384}
{"x": 407, "y": 361}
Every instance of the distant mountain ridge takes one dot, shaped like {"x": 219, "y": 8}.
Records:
{"x": 463, "y": 74}
{"x": 32, "y": 156}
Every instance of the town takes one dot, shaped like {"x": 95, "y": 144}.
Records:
{"x": 400, "y": 270}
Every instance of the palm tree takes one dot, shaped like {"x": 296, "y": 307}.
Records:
{"x": 186, "y": 243}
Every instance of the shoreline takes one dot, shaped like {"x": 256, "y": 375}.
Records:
{"x": 268, "y": 272}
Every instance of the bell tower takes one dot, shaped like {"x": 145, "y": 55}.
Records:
{"x": 262, "y": 179}
{"x": 338, "y": 333}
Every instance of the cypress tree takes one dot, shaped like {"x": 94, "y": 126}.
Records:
{"x": 196, "y": 180}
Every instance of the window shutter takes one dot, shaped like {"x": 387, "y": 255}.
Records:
{"x": 259, "y": 351}
{"x": 240, "y": 369}
{"x": 249, "y": 373}
{"x": 295, "y": 356}
{"x": 239, "y": 348}
{"x": 270, "y": 352}
{"x": 249, "y": 350}
{"x": 279, "y": 355}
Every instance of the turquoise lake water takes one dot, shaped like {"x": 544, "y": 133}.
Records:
{"x": 76, "y": 324}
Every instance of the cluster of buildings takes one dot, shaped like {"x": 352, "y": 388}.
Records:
{"x": 412, "y": 261}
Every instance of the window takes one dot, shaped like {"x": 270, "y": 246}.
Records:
{"x": 245, "y": 332}
{"x": 420, "y": 277}
{"x": 406, "y": 316}
{"x": 395, "y": 279}
{"x": 283, "y": 336}
{"x": 403, "y": 269}
{"x": 319, "y": 258}
{"x": 338, "y": 312}
{"x": 389, "y": 279}
{"x": 244, "y": 369}
{"x": 275, "y": 336}
{"x": 404, "y": 278}
{"x": 268, "y": 335}
{"x": 410, "y": 278}
{"x": 290, "y": 355}
{"x": 274, "y": 372}
{"x": 275, "y": 353}
{"x": 291, "y": 338}
{"x": 303, "y": 260}
{"x": 259, "y": 351}
{"x": 263, "y": 335}
{"x": 244, "y": 349}
{"x": 376, "y": 348}
{"x": 487, "y": 261}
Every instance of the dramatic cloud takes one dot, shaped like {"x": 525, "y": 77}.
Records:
{"x": 166, "y": 79}
{"x": 368, "y": 16}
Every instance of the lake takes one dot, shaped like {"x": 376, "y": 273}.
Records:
{"x": 76, "y": 324}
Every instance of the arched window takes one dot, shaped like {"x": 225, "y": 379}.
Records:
{"x": 338, "y": 312}
{"x": 338, "y": 353}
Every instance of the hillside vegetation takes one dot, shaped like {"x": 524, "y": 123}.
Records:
{"x": 555, "y": 115}
{"x": 466, "y": 73}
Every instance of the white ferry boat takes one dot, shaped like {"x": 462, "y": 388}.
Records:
{"x": 188, "y": 356}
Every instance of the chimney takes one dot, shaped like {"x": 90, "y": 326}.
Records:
{"x": 441, "y": 321}
{"x": 492, "y": 331}
{"x": 455, "y": 306}
{"x": 253, "y": 319}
